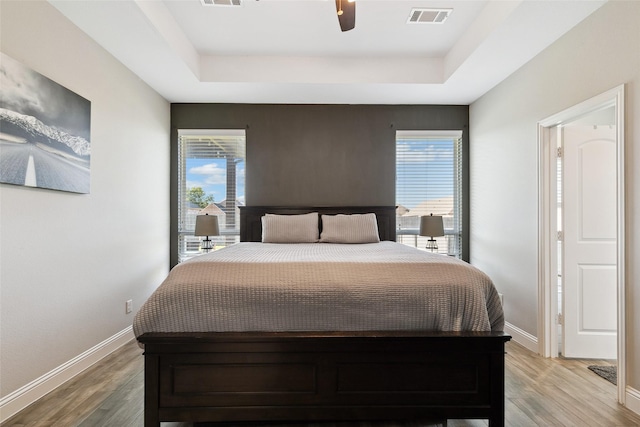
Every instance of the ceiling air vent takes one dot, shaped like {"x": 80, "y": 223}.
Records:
{"x": 428, "y": 16}
{"x": 221, "y": 2}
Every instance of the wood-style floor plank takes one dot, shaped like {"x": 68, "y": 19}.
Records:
{"x": 538, "y": 392}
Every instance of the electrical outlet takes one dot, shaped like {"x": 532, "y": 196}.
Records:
{"x": 128, "y": 306}
{"x": 501, "y": 298}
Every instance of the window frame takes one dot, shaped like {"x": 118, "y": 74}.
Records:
{"x": 461, "y": 175}
{"x": 180, "y": 223}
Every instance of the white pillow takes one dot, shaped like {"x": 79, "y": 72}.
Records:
{"x": 290, "y": 228}
{"x": 355, "y": 228}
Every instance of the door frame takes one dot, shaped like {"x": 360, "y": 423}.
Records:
{"x": 547, "y": 224}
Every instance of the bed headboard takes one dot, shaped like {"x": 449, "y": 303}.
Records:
{"x": 251, "y": 225}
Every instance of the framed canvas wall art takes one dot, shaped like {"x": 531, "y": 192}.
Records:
{"x": 44, "y": 131}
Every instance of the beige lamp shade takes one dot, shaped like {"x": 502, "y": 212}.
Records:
{"x": 431, "y": 226}
{"x": 207, "y": 225}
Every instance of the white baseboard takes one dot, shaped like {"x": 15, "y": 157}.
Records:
{"x": 632, "y": 400}
{"x": 26, "y": 395}
{"x": 523, "y": 338}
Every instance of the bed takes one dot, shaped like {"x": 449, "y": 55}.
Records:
{"x": 296, "y": 347}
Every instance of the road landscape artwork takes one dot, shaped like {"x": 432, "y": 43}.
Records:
{"x": 44, "y": 131}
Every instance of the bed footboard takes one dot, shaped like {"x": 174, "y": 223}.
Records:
{"x": 306, "y": 377}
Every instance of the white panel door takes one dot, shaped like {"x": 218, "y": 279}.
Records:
{"x": 589, "y": 223}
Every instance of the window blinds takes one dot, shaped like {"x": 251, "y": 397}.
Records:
{"x": 211, "y": 166}
{"x": 429, "y": 181}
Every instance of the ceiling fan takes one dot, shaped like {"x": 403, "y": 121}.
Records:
{"x": 346, "y": 10}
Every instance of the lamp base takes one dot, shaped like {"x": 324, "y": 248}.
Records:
{"x": 432, "y": 245}
{"x": 206, "y": 244}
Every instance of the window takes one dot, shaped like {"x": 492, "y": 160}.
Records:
{"x": 211, "y": 171}
{"x": 429, "y": 181}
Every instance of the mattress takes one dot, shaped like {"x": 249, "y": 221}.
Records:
{"x": 322, "y": 287}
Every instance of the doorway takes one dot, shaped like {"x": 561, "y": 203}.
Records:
{"x": 567, "y": 211}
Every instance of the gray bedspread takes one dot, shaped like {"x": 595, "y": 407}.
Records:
{"x": 322, "y": 287}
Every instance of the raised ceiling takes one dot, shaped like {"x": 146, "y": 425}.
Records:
{"x": 292, "y": 51}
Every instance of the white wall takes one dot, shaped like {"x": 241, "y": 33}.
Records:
{"x": 599, "y": 54}
{"x": 68, "y": 262}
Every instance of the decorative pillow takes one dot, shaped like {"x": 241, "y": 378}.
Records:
{"x": 290, "y": 228}
{"x": 355, "y": 228}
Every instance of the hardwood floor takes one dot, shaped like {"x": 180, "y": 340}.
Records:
{"x": 538, "y": 392}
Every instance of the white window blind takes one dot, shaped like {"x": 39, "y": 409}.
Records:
{"x": 211, "y": 171}
{"x": 429, "y": 181}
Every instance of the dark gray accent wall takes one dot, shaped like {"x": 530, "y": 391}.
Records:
{"x": 319, "y": 155}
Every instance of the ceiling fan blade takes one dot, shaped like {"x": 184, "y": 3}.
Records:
{"x": 348, "y": 17}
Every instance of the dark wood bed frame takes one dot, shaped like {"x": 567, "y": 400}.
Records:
{"x": 303, "y": 377}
